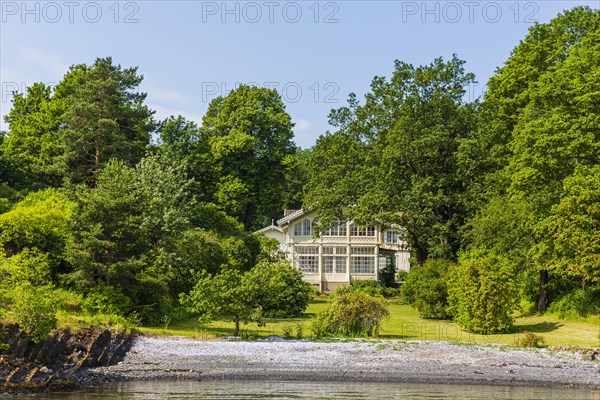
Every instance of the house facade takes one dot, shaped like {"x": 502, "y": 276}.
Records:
{"x": 341, "y": 254}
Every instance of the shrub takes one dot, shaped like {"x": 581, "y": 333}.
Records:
{"x": 481, "y": 292}
{"x": 299, "y": 329}
{"x": 279, "y": 289}
{"x": 372, "y": 288}
{"x": 351, "y": 314}
{"x": 35, "y": 310}
{"x": 286, "y": 331}
{"x": 106, "y": 300}
{"x": 576, "y": 304}
{"x": 391, "y": 292}
{"x": 401, "y": 275}
{"x": 426, "y": 289}
{"x": 529, "y": 339}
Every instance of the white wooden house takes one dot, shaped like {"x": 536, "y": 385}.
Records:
{"x": 341, "y": 254}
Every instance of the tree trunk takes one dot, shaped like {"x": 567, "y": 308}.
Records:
{"x": 237, "y": 327}
{"x": 543, "y": 300}
{"x": 96, "y": 169}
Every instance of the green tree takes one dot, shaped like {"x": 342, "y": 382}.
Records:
{"x": 426, "y": 288}
{"x": 34, "y": 309}
{"x": 538, "y": 123}
{"x": 94, "y": 114}
{"x": 572, "y": 229}
{"x": 108, "y": 246}
{"x": 250, "y": 138}
{"x": 182, "y": 142}
{"x": 351, "y": 314}
{"x": 105, "y": 118}
{"x": 279, "y": 289}
{"x": 482, "y": 292}
{"x": 394, "y": 159}
{"x": 272, "y": 288}
{"x": 33, "y": 146}
{"x": 222, "y": 294}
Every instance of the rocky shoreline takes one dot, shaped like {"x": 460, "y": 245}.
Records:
{"x": 68, "y": 360}
{"x": 352, "y": 361}
{"x": 63, "y": 361}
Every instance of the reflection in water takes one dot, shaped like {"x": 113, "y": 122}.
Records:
{"x": 245, "y": 390}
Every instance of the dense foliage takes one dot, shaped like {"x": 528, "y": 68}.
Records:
{"x": 514, "y": 173}
{"x": 271, "y": 289}
{"x": 351, "y": 313}
{"x": 498, "y": 198}
{"x": 481, "y": 292}
{"x": 426, "y": 288}
{"x": 94, "y": 212}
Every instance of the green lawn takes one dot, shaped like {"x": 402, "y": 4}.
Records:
{"x": 405, "y": 323}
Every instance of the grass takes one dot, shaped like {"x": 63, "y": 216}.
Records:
{"x": 404, "y": 323}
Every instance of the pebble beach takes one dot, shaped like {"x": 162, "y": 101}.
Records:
{"x": 173, "y": 358}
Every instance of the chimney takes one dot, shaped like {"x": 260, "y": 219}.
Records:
{"x": 287, "y": 212}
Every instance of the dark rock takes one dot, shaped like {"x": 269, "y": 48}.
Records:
{"x": 590, "y": 355}
{"x": 61, "y": 360}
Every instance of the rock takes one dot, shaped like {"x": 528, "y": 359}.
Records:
{"x": 10, "y": 377}
{"x": 590, "y": 356}
{"x": 62, "y": 359}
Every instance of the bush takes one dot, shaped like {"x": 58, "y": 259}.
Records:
{"x": 481, "y": 293}
{"x": 35, "y": 310}
{"x": 426, "y": 289}
{"x": 529, "y": 339}
{"x": 351, "y": 314}
{"x": 401, "y": 275}
{"x": 104, "y": 299}
{"x": 576, "y": 304}
{"x": 372, "y": 288}
{"x": 279, "y": 289}
{"x": 299, "y": 329}
{"x": 286, "y": 331}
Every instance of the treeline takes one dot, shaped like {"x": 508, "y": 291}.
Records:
{"x": 104, "y": 210}
{"x": 507, "y": 187}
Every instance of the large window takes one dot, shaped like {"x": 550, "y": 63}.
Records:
{"x": 338, "y": 230}
{"x": 303, "y": 228}
{"x": 362, "y": 265}
{"x": 362, "y": 260}
{"x": 357, "y": 231}
{"x": 308, "y": 259}
{"x": 334, "y": 260}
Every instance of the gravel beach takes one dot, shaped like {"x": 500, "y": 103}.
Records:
{"x": 352, "y": 361}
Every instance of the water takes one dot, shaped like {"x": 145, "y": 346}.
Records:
{"x": 247, "y": 390}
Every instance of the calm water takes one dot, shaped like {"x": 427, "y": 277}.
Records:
{"x": 244, "y": 390}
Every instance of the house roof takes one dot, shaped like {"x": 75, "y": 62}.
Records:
{"x": 290, "y": 217}
{"x": 271, "y": 227}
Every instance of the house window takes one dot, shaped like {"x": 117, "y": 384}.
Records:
{"x": 338, "y": 230}
{"x": 303, "y": 228}
{"x": 334, "y": 260}
{"x": 362, "y": 250}
{"x": 356, "y": 231}
{"x": 391, "y": 237}
{"x": 362, "y": 265}
{"x": 362, "y": 260}
{"x": 307, "y": 257}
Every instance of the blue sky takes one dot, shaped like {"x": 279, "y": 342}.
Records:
{"x": 313, "y": 52}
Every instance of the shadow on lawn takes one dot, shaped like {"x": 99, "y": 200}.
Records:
{"x": 540, "y": 327}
